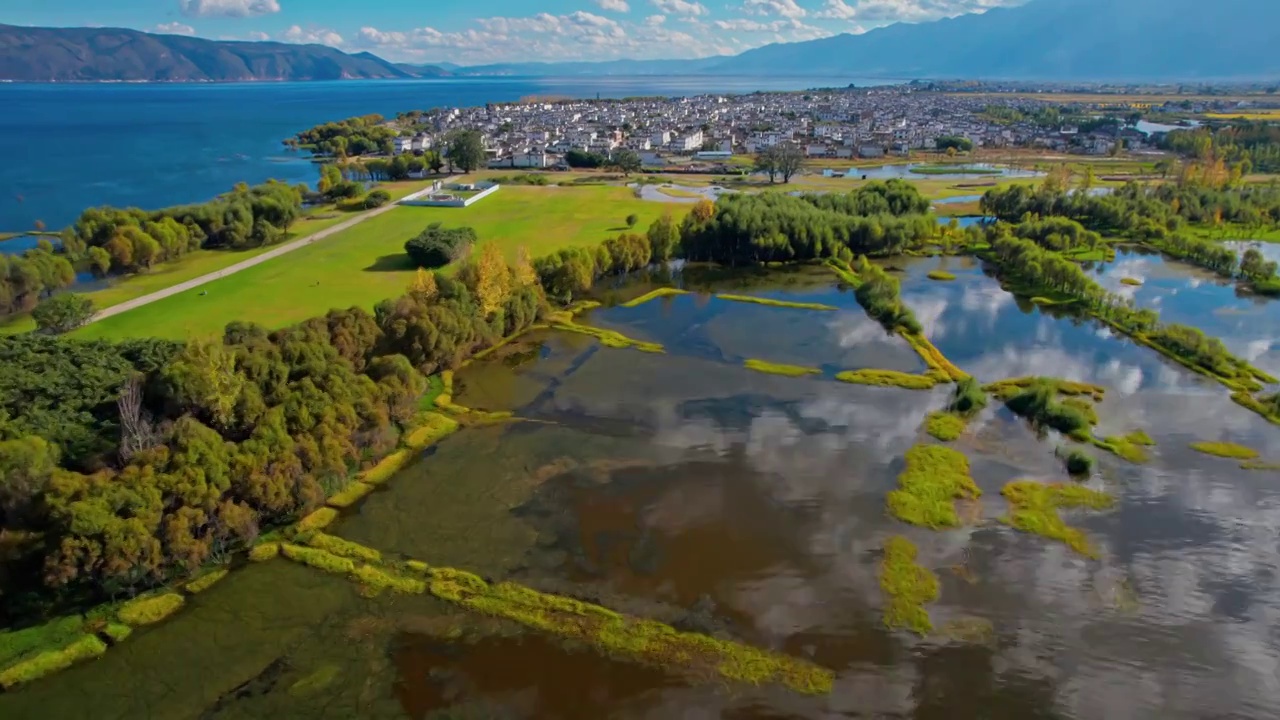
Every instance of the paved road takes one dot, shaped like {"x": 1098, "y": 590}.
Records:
{"x": 245, "y": 264}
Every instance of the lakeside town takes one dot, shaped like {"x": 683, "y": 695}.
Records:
{"x": 849, "y": 124}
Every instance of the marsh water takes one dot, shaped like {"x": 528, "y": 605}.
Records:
{"x": 685, "y": 488}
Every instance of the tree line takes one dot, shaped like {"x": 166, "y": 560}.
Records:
{"x": 1250, "y": 146}
{"x": 125, "y": 464}
{"x": 363, "y": 135}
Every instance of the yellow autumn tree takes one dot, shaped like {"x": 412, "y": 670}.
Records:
{"x": 704, "y": 210}
{"x": 522, "y": 272}
{"x": 424, "y": 285}
{"x": 487, "y": 276}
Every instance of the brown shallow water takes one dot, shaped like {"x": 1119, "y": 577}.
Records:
{"x": 684, "y": 488}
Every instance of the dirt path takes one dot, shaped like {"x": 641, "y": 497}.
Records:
{"x": 246, "y": 264}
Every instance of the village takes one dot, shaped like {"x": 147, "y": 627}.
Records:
{"x": 854, "y": 124}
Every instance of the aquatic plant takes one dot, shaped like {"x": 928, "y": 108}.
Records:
{"x": 1038, "y": 403}
{"x": 17, "y": 644}
{"x": 779, "y": 368}
{"x": 1225, "y": 450}
{"x": 375, "y": 580}
{"x": 318, "y": 520}
{"x": 941, "y": 275}
{"x": 264, "y": 551}
{"x": 318, "y": 559}
{"x": 1125, "y": 446}
{"x": 352, "y": 493}
{"x": 1078, "y": 462}
{"x": 117, "y": 632}
{"x": 1131, "y": 281}
{"x": 150, "y": 609}
{"x": 968, "y": 399}
{"x": 86, "y": 647}
{"x": 641, "y": 640}
{"x": 1007, "y": 388}
{"x": 316, "y": 681}
{"x": 933, "y": 479}
{"x": 907, "y": 587}
{"x": 343, "y": 548}
{"x": 1034, "y": 506}
{"x": 654, "y": 295}
{"x": 944, "y": 426}
{"x": 775, "y": 303}
{"x": 609, "y": 338}
{"x": 206, "y": 581}
{"x": 887, "y": 378}
{"x": 932, "y": 356}
{"x": 431, "y": 428}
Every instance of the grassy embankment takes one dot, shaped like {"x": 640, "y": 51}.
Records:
{"x": 366, "y": 264}
{"x": 641, "y": 640}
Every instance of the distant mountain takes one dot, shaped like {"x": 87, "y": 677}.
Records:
{"x": 1116, "y": 40}
{"x": 32, "y": 54}
{"x": 422, "y": 70}
{"x": 1136, "y": 40}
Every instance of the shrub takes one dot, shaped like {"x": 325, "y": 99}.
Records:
{"x": 437, "y": 246}
{"x": 376, "y": 199}
{"x": 1078, "y": 462}
{"x": 62, "y": 313}
{"x": 632, "y": 219}
{"x": 151, "y": 609}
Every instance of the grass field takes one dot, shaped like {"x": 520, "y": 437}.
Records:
{"x": 366, "y": 263}
{"x": 201, "y": 262}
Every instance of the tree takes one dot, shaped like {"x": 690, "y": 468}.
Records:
{"x": 767, "y": 162}
{"x": 376, "y": 199}
{"x": 626, "y": 162}
{"x": 703, "y": 210}
{"x": 488, "y": 278}
{"x": 434, "y": 161}
{"x": 789, "y": 159}
{"x": 632, "y": 219}
{"x": 62, "y": 313}
{"x": 424, "y": 286}
{"x": 466, "y": 150}
{"x": 438, "y": 246}
{"x": 99, "y": 262}
{"x": 664, "y": 236}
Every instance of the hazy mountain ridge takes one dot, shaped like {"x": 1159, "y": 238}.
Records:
{"x": 116, "y": 54}
{"x": 1132, "y": 40}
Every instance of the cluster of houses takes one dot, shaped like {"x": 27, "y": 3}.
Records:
{"x": 842, "y": 124}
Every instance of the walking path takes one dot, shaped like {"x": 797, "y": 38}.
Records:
{"x": 246, "y": 264}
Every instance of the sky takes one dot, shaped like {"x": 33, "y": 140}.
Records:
{"x": 466, "y": 32}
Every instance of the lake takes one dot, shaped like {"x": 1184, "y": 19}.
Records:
{"x": 68, "y": 147}
{"x": 685, "y": 488}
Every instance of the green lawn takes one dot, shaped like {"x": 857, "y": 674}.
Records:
{"x": 366, "y": 263}
{"x": 200, "y": 262}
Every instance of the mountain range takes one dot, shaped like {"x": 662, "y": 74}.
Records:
{"x": 1052, "y": 40}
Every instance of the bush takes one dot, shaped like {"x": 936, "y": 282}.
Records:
{"x": 436, "y": 246}
{"x": 632, "y": 219}
{"x": 1078, "y": 462}
{"x": 62, "y": 313}
{"x": 47, "y": 663}
{"x": 149, "y": 609}
{"x": 376, "y": 199}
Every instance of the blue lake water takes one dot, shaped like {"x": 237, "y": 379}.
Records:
{"x": 72, "y": 146}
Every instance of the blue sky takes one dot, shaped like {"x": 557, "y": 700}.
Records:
{"x": 469, "y": 32}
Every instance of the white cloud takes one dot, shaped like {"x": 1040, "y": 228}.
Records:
{"x": 259, "y": 36}
{"x": 311, "y": 36}
{"x": 619, "y": 6}
{"x": 229, "y": 8}
{"x": 174, "y": 28}
{"x": 837, "y": 10}
{"x": 689, "y": 8}
{"x": 655, "y": 20}
{"x": 782, "y": 8}
{"x": 890, "y": 11}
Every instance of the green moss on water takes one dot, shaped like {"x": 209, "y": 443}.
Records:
{"x": 49, "y": 661}
{"x": 343, "y": 548}
{"x": 1078, "y": 462}
{"x": 1034, "y": 508}
{"x": 907, "y": 587}
{"x": 206, "y": 581}
{"x": 1261, "y": 465}
{"x": 318, "y": 520}
{"x": 1005, "y": 389}
{"x": 352, "y": 494}
{"x": 609, "y": 338}
{"x": 150, "y": 609}
{"x": 1225, "y": 450}
{"x": 431, "y": 428}
{"x": 775, "y": 303}
{"x": 264, "y": 551}
{"x": 116, "y": 632}
{"x": 1131, "y": 447}
{"x": 318, "y": 559}
{"x": 932, "y": 356}
{"x": 637, "y": 639}
{"x": 779, "y": 368}
{"x": 374, "y": 581}
{"x": 654, "y": 295}
{"x": 933, "y": 479}
{"x": 1131, "y": 281}
{"x": 941, "y": 275}
{"x": 316, "y": 681}
{"x": 968, "y": 399}
{"x": 888, "y": 378}
{"x": 944, "y": 426}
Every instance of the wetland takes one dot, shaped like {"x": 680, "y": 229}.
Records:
{"x": 697, "y": 492}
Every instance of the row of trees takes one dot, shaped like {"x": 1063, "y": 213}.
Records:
{"x": 1244, "y": 144}
{"x": 363, "y": 135}
{"x": 28, "y": 278}
{"x": 129, "y": 463}
{"x": 784, "y": 158}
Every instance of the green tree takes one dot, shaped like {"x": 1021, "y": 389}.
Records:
{"x": 466, "y": 150}
{"x": 62, "y": 313}
{"x": 632, "y": 219}
{"x": 626, "y": 162}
